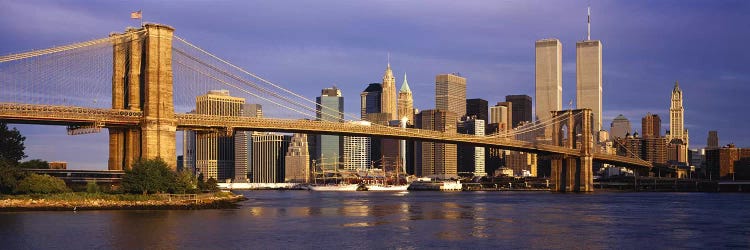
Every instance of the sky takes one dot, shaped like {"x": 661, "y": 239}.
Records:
{"x": 309, "y": 45}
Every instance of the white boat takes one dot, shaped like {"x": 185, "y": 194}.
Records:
{"x": 343, "y": 187}
{"x": 394, "y": 188}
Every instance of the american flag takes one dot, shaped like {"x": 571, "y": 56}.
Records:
{"x": 136, "y": 14}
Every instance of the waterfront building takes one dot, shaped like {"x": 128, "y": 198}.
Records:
{"x": 677, "y": 132}
{"x": 478, "y": 108}
{"x": 651, "y": 126}
{"x": 471, "y": 159}
{"x": 388, "y": 96}
{"x": 357, "y": 150}
{"x": 521, "y": 109}
{"x": 436, "y": 159}
{"x": 619, "y": 127}
{"x": 242, "y": 147}
{"x": 728, "y": 163}
{"x": 297, "y": 160}
{"x": 405, "y": 103}
{"x": 548, "y": 79}
{"x": 450, "y": 94}
{"x": 713, "y": 139}
{"x": 329, "y": 148}
{"x": 521, "y": 162}
{"x": 214, "y": 151}
{"x": 268, "y": 157}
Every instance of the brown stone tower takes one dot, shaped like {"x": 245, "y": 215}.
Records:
{"x": 142, "y": 81}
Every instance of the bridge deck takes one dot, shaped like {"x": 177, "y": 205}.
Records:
{"x": 65, "y": 115}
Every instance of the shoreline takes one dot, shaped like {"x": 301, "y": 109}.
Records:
{"x": 15, "y": 204}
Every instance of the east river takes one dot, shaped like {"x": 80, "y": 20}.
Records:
{"x": 467, "y": 220}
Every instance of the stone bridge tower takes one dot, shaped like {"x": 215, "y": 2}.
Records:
{"x": 142, "y": 81}
{"x": 573, "y": 129}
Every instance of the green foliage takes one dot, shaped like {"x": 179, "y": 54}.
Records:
{"x": 11, "y": 144}
{"x": 184, "y": 183}
{"x": 34, "y": 164}
{"x": 9, "y": 177}
{"x": 148, "y": 177}
{"x": 211, "y": 185}
{"x": 41, "y": 184}
{"x": 92, "y": 187}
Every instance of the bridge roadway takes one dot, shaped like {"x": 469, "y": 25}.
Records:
{"x": 68, "y": 115}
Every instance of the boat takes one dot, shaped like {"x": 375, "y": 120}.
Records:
{"x": 339, "y": 187}
{"x": 435, "y": 185}
{"x": 394, "y": 188}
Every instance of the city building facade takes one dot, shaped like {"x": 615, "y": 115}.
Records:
{"x": 471, "y": 159}
{"x": 214, "y": 151}
{"x": 548, "y": 79}
{"x": 677, "y": 132}
{"x": 405, "y": 103}
{"x": 651, "y": 126}
{"x": 268, "y": 157}
{"x": 297, "y": 160}
{"x": 436, "y": 159}
{"x": 329, "y": 148}
{"x": 589, "y": 78}
{"x": 619, "y": 127}
{"x": 521, "y": 109}
{"x": 450, "y": 94}
{"x": 478, "y": 108}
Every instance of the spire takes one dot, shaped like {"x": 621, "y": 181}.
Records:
{"x": 588, "y": 23}
{"x": 405, "y": 87}
{"x": 389, "y": 60}
{"x": 676, "y": 87}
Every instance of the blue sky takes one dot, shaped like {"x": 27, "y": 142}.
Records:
{"x": 309, "y": 45}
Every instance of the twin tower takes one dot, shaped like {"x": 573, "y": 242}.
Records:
{"x": 588, "y": 77}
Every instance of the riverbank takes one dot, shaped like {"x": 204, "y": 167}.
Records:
{"x": 100, "y": 201}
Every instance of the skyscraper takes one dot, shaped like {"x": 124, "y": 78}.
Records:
{"x": 471, "y": 158}
{"x": 357, "y": 150}
{"x": 268, "y": 156}
{"x": 619, "y": 127}
{"x": 437, "y": 159}
{"x": 548, "y": 78}
{"x": 388, "y": 97}
{"x": 242, "y": 147}
{"x": 589, "y": 77}
{"x": 330, "y": 108}
{"x": 677, "y": 120}
{"x": 297, "y": 160}
{"x": 713, "y": 140}
{"x": 215, "y": 151}
{"x": 501, "y": 114}
{"x": 370, "y": 100}
{"x": 478, "y": 108}
{"x": 651, "y": 126}
{"x": 521, "y": 109}
{"x": 450, "y": 93}
{"x": 405, "y": 103}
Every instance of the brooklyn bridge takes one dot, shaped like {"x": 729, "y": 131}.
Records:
{"x": 140, "y": 85}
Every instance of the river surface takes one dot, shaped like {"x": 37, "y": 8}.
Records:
{"x": 473, "y": 220}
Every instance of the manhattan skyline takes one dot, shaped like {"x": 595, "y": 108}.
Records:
{"x": 307, "y": 47}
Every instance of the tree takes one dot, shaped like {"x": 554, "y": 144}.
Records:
{"x": 148, "y": 177}
{"x": 185, "y": 182}
{"x": 9, "y": 177}
{"x": 34, "y": 164}
{"x": 11, "y": 144}
{"x": 92, "y": 187}
{"x": 211, "y": 185}
{"x": 41, "y": 184}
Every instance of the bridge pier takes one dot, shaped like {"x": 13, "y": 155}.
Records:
{"x": 573, "y": 173}
{"x": 142, "y": 81}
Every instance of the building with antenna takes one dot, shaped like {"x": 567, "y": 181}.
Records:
{"x": 589, "y": 75}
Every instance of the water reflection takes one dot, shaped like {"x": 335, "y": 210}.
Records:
{"x": 409, "y": 220}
